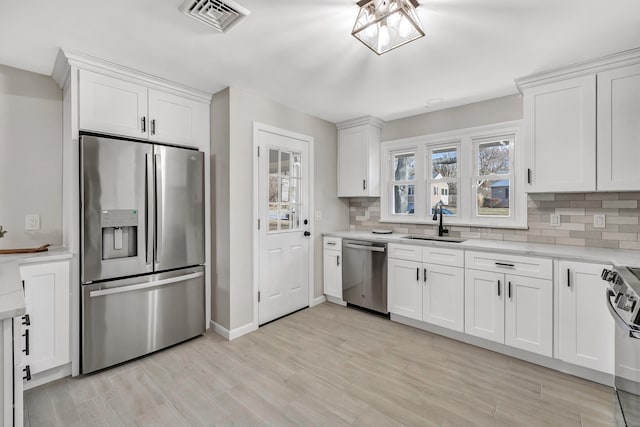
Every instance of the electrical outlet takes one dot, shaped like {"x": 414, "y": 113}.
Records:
{"x": 599, "y": 221}
{"x": 32, "y": 222}
{"x": 555, "y": 219}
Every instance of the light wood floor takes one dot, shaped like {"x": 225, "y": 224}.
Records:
{"x": 325, "y": 366}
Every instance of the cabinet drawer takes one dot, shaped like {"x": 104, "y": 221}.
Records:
{"x": 443, "y": 256}
{"x": 541, "y": 268}
{"x": 333, "y": 243}
{"x": 405, "y": 252}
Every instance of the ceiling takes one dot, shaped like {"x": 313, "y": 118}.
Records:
{"x": 301, "y": 52}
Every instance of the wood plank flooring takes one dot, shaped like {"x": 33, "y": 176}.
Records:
{"x": 324, "y": 366}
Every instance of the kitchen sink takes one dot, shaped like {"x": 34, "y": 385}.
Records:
{"x": 435, "y": 238}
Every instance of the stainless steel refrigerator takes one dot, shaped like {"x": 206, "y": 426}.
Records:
{"x": 142, "y": 248}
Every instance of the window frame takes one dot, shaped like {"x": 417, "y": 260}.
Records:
{"x": 428, "y": 178}
{"x": 468, "y": 140}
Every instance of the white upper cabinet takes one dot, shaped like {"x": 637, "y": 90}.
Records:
{"x": 619, "y": 129}
{"x": 359, "y": 158}
{"x": 112, "y": 106}
{"x": 120, "y": 107}
{"x": 560, "y": 135}
{"x": 582, "y": 126}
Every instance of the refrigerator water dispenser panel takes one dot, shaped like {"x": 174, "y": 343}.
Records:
{"x": 119, "y": 233}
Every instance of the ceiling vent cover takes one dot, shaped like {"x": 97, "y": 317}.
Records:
{"x": 221, "y": 15}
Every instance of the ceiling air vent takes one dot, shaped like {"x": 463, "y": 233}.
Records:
{"x": 221, "y": 15}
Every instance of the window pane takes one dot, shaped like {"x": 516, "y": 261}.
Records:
{"x": 285, "y": 223}
{"x": 444, "y": 163}
{"x": 273, "y": 188}
{"x": 448, "y": 193}
{"x": 294, "y": 185}
{"x": 403, "y": 199}
{"x": 284, "y": 163}
{"x": 494, "y": 197}
{"x": 404, "y": 166}
{"x": 493, "y": 158}
{"x": 284, "y": 192}
{"x": 297, "y": 161}
{"x": 273, "y": 216}
{"x": 273, "y": 161}
{"x": 294, "y": 216}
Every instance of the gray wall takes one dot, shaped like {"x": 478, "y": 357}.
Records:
{"x": 245, "y": 108}
{"x": 30, "y": 157}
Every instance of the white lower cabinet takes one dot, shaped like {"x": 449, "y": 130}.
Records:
{"x": 510, "y": 309}
{"x": 429, "y": 292}
{"x": 332, "y": 267}
{"x": 12, "y": 372}
{"x": 46, "y": 329}
{"x": 586, "y": 328}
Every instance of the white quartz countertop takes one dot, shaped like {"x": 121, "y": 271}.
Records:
{"x": 12, "y": 302}
{"x": 574, "y": 253}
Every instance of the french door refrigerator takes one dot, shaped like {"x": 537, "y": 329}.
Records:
{"x": 142, "y": 248}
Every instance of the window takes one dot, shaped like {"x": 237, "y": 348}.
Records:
{"x": 473, "y": 172}
{"x": 284, "y": 190}
{"x": 404, "y": 175}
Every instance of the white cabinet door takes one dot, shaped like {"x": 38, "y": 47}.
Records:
{"x": 529, "y": 314}
{"x": 560, "y": 134}
{"x": 586, "y": 327}
{"x": 404, "y": 288}
{"x": 332, "y": 268}
{"x": 443, "y": 296}
{"x": 112, "y": 106}
{"x": 484, "y": 304}
{"x": 353, "y": 164}
{"x": 173, "y": 118}
{"x": 46, "y": 289}
{"x": 619, "y": 129}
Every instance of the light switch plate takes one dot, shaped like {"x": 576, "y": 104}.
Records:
{"x": 318, "y": 215}
{"x": 599, "y": 221}
{"x": 555, "y": 220}
{"x": 32, "y": 222}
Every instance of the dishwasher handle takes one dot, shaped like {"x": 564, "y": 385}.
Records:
{"x": 366, "y": 248}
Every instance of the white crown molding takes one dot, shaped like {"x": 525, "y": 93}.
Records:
{"x": 367, "y": 120}
{"x": 616, "y": 60}
{"x": 67, "y": 59}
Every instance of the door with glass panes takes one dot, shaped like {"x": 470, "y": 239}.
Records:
{"x": 283, "y": 188}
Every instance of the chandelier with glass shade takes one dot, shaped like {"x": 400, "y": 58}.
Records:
{"x": 383, "y": 25}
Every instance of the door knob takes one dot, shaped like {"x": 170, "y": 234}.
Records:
{"x": 307, "y": 233}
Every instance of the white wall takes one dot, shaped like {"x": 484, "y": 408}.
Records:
{"x": 30, "y": 157}
{"x": 245, "y": 108}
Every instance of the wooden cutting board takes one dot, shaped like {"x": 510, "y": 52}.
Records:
{"x": 42, "y": 248}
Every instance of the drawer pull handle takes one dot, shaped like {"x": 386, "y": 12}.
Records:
{"x": 27, "y": 371}
{"x": 26, "y": 320}
{"x": 331, "y": 243}
{"x": 504, "y": 264}
{"x": 498, "y": 287}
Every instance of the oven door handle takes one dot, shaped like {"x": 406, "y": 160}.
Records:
{"x": 618, "y": 319}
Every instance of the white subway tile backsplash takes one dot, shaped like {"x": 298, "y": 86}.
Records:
{"x": 614, "y": 204}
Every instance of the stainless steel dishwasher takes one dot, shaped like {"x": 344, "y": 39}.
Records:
{"x": 364, "y": 274}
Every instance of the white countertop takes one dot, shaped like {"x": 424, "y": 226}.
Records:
{"x": 574, "y": 253}
{"x": 11, "y": 293}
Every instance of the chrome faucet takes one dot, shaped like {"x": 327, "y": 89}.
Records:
{"x": 441, "y": 230}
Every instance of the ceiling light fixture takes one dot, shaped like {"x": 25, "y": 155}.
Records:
{"x": 383, "y": 25}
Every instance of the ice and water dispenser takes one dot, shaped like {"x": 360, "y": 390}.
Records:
{"x": 119, "y": 233}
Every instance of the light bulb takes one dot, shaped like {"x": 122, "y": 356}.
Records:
{"x": 393, "y": 19}
{"x": 371, "y": 31}
{"x": 383, "y": 36}
{"x": 405, "y": 27}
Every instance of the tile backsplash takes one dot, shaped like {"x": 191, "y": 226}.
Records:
{"x": 576, "y": 210}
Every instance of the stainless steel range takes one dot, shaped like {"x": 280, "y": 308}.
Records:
{"x": 623, "y": 297}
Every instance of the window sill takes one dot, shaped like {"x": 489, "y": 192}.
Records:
{"x": 452, "y": 223}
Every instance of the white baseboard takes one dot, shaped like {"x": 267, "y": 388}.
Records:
{"x": 47, "y": 376}
{"x": 335, "y": 300}
{"x": 318, "y": 300}
{"x": 234, "y": 333}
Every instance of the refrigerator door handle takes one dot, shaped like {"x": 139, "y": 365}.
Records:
{"x": 145, "y": 285}
{"x": 157, "y": 197}
{"x": 148, "y": 179}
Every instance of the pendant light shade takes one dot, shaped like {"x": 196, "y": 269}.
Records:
{"x": 383, "y": 25}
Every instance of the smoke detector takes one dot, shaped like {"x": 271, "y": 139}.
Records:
{"x": 220, "y": 15}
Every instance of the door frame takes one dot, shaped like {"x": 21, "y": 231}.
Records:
{"x": 258, "y": 127}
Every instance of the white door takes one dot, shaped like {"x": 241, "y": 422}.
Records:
{"x": 112, "y": 106}
{"x": 586, "y": 326}
{"x": 560, "y": 130}
{"x": 404, "y": 288}
{"x": 332, "y": 267}
{"x": 283, "y": 197}
{"x": 619, "y": 129}
{"x": 528, "y": 322}
{"x": 443, "y": 296}
{"x": 173, "y": 118}
{"x": 484, "y": 304}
